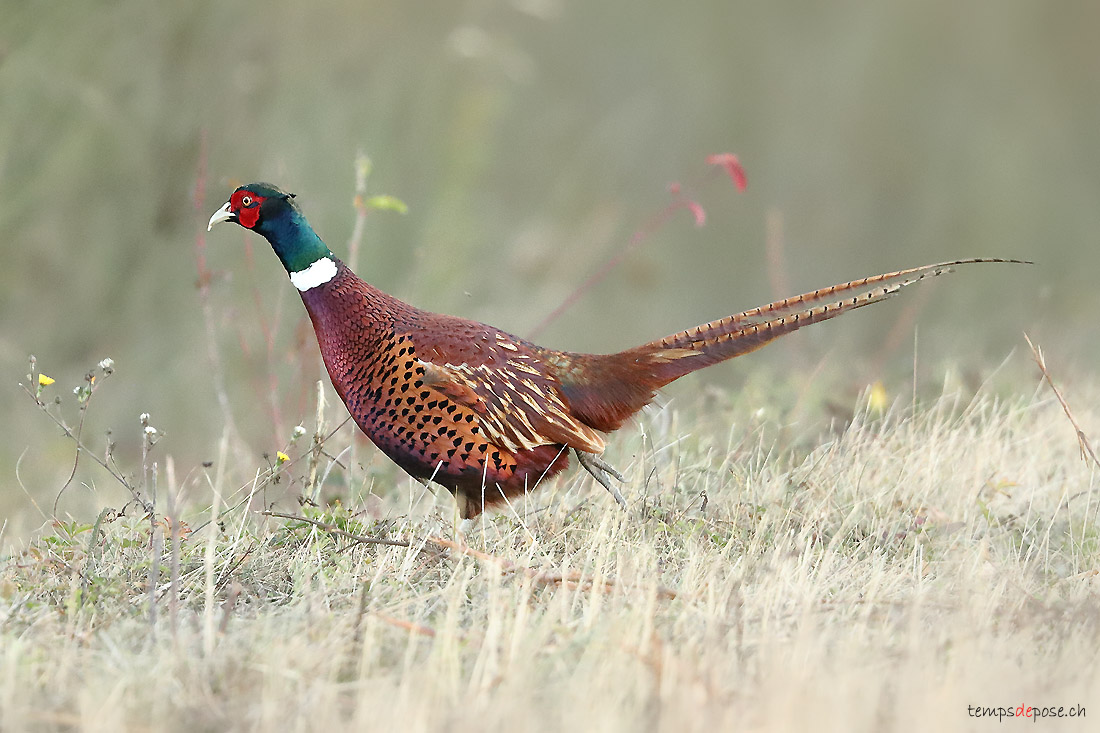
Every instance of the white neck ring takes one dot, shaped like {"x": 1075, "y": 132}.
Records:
{"x": 319, "y": 273}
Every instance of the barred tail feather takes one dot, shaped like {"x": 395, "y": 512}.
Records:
{"x": 690, "y": 350}
{"x": 604, "y": 390}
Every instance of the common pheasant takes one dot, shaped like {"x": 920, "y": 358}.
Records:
{"x": 486, "y": 414}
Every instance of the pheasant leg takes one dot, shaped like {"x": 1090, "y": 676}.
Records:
{"x": 600, "y": 470}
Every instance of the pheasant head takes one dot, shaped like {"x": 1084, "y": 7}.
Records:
{"x": 269, "y": 211}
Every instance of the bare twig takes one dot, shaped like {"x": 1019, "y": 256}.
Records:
{"x": 92, "y": 554}
{"x": 157, "y": 541}
{"x": 335, "y": 430}
{"x": 246, "y": 500}
{"x": 313, "y": 491}
{"x": 227, "y": 573}
{"x": 1082, "y": 440}
{"x": 228, "y": 606}
{"x": 211, "y": 548}
{"x": 23, "y": 486}
{"x": 75, "y": 434}
{"x": 362, "y": 172}
{"x": 174, "y": 564}
{"x": 364, "y": 594}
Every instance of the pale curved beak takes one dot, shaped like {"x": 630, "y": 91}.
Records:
{"x": 225, "y": 213}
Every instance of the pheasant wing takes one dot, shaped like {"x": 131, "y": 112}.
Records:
{"x": 518, "y": 407}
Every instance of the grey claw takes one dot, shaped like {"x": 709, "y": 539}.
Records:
{"x": 599, "y": 468}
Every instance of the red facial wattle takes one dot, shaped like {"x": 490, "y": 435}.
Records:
{"x": 246, "y": 205}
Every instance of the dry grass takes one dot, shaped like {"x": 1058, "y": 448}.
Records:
{"x": 909, "y": 566}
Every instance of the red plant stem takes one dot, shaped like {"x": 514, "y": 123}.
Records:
{"x": 680, "y": 201}
{"x": 198, "y": 199}
{"x": 655, "y": 223}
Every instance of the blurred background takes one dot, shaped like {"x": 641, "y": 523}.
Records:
{"x": 530, "y": 139}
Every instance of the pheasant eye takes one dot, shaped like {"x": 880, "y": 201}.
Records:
{"x": 246, "y": 200}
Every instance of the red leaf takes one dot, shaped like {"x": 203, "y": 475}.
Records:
{"x": 679, "y": 201}
{"x": 733, "y": 167}
{"x": 696, "y": 211}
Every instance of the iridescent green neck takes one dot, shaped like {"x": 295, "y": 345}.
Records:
{"x": 293, "y": 240}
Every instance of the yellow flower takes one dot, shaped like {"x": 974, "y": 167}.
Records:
{"x": 281, "y": 457}
{"x": 45, "y": 381}
{"x": 877, "y": 398}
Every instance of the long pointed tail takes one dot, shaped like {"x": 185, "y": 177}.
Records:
{"x": 616, "y": 386}
{"x": 695, "y": 348}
